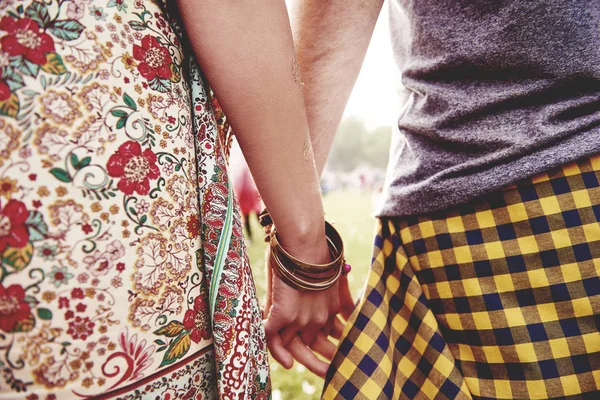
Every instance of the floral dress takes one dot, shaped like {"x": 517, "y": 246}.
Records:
{"x": 123, "y": 272}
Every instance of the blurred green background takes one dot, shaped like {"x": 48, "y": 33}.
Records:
{"x": 351, "y": 210}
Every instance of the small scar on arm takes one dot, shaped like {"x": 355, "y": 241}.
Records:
{"x": 296, "y": 70}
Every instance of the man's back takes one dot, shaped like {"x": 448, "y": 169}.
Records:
{"x": 500, "y": 91}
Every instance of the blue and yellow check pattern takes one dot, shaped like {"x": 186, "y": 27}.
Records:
{"x": 498, "y": 299}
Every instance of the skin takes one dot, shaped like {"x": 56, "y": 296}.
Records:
{"x": 246, "y": 52}
{"x": 331, "y": 40}
{"x": 331, "y": 37}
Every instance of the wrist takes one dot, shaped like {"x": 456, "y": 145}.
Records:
{"x": 318, "y": 275}
{"x": 306, "y": 241}
{"x": 310, "y": 250}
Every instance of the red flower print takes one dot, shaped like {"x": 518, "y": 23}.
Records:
{"x": 120, "y": 267}
{"x": 13, "y": 231}
{"x": 134, "y": 167}
{"x": 154, "y": 59}
{"x": 193, "y": 226}
{"x": 197, "y": 320}
{"x": 25, "y": 39}
{"x": 81, "y": 328}
{"x": 69, "y": 314}
{"x": 77, "y": 293}
{"x": 87, "y": 228}
{"x": 13, "y": 307}
{"x": 80, "y": 307}
{"x": 63, "y": 302}
{"x": 4, "y": 89}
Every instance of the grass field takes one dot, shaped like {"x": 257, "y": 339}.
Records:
{"x": 351, "y": 212}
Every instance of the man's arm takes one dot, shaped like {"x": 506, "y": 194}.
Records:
{"x": 331, "y": 38}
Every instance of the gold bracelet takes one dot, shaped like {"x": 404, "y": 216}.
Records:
{"x": 334, "y": 242}
{"x": 307, "y": 276}
{"x": 297, "y": 283}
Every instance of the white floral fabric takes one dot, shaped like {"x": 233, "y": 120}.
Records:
{"x": 123, "y": 272}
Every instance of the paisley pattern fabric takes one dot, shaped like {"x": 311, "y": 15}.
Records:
{"x": 123, "y": 271}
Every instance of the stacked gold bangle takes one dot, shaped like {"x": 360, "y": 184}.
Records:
{"x": 306, "y": 276}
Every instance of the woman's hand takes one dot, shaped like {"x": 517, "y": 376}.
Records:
{"x": 295, "y": 318}
{"x": 295, "y": 322}
{"x": 298, "y": 324}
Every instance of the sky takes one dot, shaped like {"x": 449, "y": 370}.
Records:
{"x": 374, "y": 99}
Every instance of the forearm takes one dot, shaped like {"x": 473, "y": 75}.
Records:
{"x": 331, "y": 38}
{"x": 245, "y": 49}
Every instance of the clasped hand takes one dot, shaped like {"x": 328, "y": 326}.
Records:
{"x": 299, "y": 325}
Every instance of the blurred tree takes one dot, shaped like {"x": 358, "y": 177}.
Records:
{"x": 377, "y": 147}
{"x": 355, "y": 145}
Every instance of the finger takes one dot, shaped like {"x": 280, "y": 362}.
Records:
{"x": 288, "y": 333}
{"x": 306, "y": 357}
{"x": 279, "y": 352}
{"x": 309, "y": 334}
{"x": 324, "y": 346}
{"x": 346, "y": 301}
{"x": 273, "y": 324}
{"x": 328, "y": 327}
{"x": 338, "y": 328}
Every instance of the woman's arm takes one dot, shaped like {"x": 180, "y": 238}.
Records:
{"x": 246, "y": 51}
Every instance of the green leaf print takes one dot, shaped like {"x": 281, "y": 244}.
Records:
{"x": 36, "y": 226}
{"x": 172, "y": 329}
{"x": 121, "y": 122}
{"x": 137, "y": 26}
{"x": 178, "y": 348}
{"x": 18, "y": 258}
{"x": 39, "y": 13}
{"x": 129, "y": 101}
{"x": 13, "y": 80}
{"x": 10, "y": 107}
{"x": 74, "y": 160}
{"x": 54, "y": 64}
{"x": 44, "y": 313}
{"x": 26, "y": 67}
{"x": 118, "y": 113}
{"x": 66, "y": 29}
{"x": 160, "y": 85}
{"x": 85, "y": 162}
{"x": 61, "y": 175}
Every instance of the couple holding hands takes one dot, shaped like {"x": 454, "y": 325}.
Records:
{"x": 124, "y": 271}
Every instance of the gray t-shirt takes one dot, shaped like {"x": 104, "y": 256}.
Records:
{"x": 500, "y": 90}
